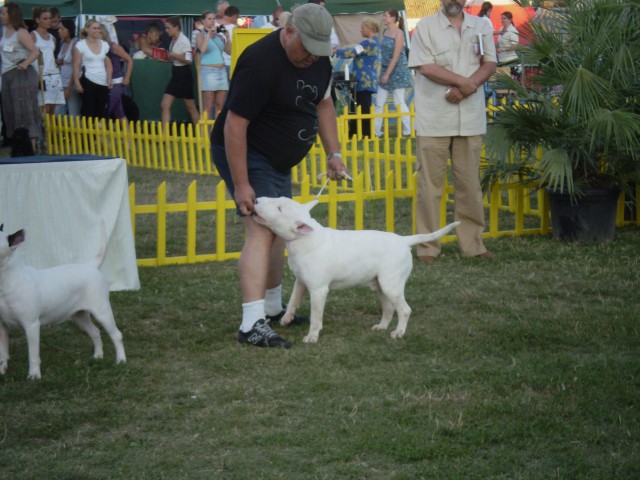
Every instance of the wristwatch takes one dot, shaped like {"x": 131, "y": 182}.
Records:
{"x": 334, "y": 154}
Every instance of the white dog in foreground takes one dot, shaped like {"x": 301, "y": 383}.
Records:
{"x": 31, "y": 298}
{"x": 324, "y": 259}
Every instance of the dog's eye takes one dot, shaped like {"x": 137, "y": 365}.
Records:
{"x": 280, "y": 209}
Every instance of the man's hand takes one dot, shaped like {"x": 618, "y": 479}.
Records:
{"x": 335, "y": 168}
{"x": 467, "y": 86}
{"x": 245, "y": 199}
{"x": 453, "y": 95}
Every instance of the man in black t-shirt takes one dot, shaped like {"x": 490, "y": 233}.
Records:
{"x": 278, "y": 101}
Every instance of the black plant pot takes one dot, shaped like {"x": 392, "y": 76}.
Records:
{"x": 591, "y": 218}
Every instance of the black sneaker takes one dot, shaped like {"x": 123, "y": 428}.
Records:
{"x": 297, "y": 319}
{"x": 261, "y": 335}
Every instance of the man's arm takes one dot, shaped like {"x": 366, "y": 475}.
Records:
{"x": 466, "y": 85}
{"x": 484, "y": 72}
{"x": 235, "y": 142}
{"x": 328, "y": 131}
{"x": 227, "y": 42}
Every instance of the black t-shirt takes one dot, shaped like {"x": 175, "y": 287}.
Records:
{"x": 278, "y": 99}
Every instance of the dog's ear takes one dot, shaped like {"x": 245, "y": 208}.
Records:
{"x": 309, "y": 205}
{"x": 16, "y": 239}
{"x": 302, "y": 228}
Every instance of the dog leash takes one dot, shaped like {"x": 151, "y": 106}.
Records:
{"x": 345, "y": 175}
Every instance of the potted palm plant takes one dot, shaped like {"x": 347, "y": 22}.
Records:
{"x": 574, "y": 127}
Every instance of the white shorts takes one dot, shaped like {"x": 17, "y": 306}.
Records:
{"x": 53, "y": 91}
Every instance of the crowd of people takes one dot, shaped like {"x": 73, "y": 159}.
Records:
{"x": 89, "y": 75}
{"x": 51, "y": 71}
{"x": 47, "y": 68}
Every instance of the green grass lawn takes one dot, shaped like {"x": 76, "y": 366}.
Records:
{"x": 526, "y": 366}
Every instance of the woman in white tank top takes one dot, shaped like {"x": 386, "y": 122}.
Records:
{"x": 53, "y": 94}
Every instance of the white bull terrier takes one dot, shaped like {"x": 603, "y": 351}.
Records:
{"x": 31, "y": 298}
{"x": 324, "y": 259}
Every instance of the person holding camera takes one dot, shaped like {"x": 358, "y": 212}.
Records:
{"x": 211, "y": 43}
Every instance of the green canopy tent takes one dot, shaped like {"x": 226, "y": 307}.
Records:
{"x": 68, "y": 8}
{"x": 194, "y": 7}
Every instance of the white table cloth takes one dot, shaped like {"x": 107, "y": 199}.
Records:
{"x": 62, "y": 206}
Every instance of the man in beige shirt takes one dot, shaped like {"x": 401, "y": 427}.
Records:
{"x": 453, "y": 54}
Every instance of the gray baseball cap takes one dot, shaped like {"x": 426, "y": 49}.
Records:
{"x": 314, "y": 24}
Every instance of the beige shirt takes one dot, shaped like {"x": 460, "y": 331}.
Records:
{"x": 436, "y": 41}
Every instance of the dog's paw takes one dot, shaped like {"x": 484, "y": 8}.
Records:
{"x": 397, "y": 333}
{"x": 286, "y": 319}
{"x": 3, "y": 367}
{"x": 34, "y": 375}
{"x": 311, "y": 338}
{"x": 379, "y": 326}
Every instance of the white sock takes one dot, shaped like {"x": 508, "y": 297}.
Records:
{"x": 273, "y": 301}
{"x": 251, "y": 313}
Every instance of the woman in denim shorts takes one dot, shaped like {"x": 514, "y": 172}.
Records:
{"x": 214, "y": 83}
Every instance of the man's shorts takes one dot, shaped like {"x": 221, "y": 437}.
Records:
{"x": 265, "y": 180}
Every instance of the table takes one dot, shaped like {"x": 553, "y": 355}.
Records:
{"x": 62, "y": 203}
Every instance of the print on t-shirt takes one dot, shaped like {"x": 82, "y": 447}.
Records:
{"x": 306, "y": 100}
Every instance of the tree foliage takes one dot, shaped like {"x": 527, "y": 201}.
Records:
{"x": 581, "y": 111}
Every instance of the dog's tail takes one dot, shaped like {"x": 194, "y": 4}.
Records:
{"x": 428, "y": 237}
{"x": 99, "y": 259}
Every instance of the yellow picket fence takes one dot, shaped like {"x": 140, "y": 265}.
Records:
{"x": 382, "y": 169}
{"x": 179, "y": 148}
{"x": 221, "y": 212}
{"x": 185, "y": 148}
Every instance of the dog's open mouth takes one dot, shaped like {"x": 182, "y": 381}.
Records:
{"x": 258, "y": 218}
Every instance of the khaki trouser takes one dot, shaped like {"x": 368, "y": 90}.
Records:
{"x": 432, "y": 156}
